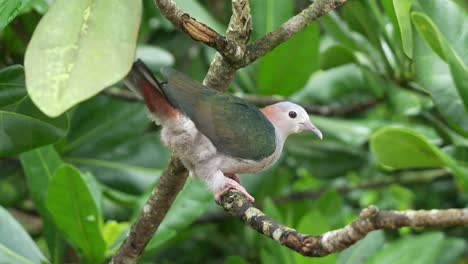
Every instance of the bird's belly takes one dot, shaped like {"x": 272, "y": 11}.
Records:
{"x": 240, "y": 166}
{"x": 198, "y": 153}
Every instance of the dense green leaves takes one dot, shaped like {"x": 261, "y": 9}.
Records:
{"x": 71, "y": 202}
{"x": 16, "y": 246}
{"x": 402, "y": 11}
{"x": 279, "y": 76}
{"x": 9, "y": 9}
{"x": 84, "y": 55}
{"x": 420, "y": 249}
{"x": 17, "y": 112}
{"x": 39, "y": 166}
{"x": 401, "y": 148}
{"x": 190, "y": 204}
{"x": 391, "y": 74}
{"x": 444, "y": 82}
{"x": 11, "y": 85}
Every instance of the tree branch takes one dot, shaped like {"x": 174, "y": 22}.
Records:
{"x": 370, "y": 219}
{"x": 155, "y": 209}
{"x": 199, "y": 31}
{"x": 430, "y": 177}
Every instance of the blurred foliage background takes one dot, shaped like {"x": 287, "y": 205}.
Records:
{"x": 390, "y": 78}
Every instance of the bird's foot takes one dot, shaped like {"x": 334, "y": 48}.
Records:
{"x": 232, "y": 176}
{"x": 233, "y": 184}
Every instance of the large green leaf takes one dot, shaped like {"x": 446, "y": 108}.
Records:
{"x": 9, "y": 9}
{"x": 114, "y": 144}
{"x": 17, "y": 112}
{"x": 402, "y": 148}
{"x": 336, "y": 55}
{"x": 421, "y": 249}
{"x": 402, "y": 12}
{"x": 15, "y": 240}
{"x": 24, "y": 127}
{"x": 78, "y": 49}
{"x": 339, "y": 83}
{"x": 269, "y": 14}
{"x": 71, "y": 203}
{"x": 189, "y": 205}
{"x": 429, "y": 32}
{"x": 288, "y": 67}
{"x": 442, "y": 81}
{"x": 39, "y": 166}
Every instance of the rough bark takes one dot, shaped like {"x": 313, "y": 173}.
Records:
{"x": 370, "y": 219}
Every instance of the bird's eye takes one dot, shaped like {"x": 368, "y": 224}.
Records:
{"x": 292, "y": 114}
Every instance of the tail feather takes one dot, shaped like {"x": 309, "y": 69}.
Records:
{"x": 141, "y": 80}
{"x": 138, "y": 74}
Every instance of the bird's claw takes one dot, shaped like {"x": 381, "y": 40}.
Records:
{"x": 232, "y": 184}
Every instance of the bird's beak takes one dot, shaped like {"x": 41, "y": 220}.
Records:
{"x": 308, "y": 126}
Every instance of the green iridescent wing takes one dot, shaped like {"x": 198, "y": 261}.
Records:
{"x": 235, "y": 126}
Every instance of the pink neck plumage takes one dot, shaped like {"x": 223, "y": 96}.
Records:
{"x": 271, "y": 114}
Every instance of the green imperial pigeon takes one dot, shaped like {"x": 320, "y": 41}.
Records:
{"x": 216, "y": 135}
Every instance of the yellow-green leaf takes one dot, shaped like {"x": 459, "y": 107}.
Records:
{"x": 79, "y": 48}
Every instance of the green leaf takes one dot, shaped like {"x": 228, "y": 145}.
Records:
{"x": 70, "y": 201}
{"x": 111, "y": 233}
{"x": 429, "y": 32}
{"x": 359, "y": 252}
{"x": 402, "y": 11}
{"x": 41, "y": 130}
{"x": 452, "y": 249}
{"x": 78, "y": 49}
{"x": 114, "y": 145}
{"x": 9, "y": 9}
{"x": 235, "y": 260}
{"x": 190, "y": 204}
{"x": 8, "y": 256}
{"x": 402, "y": 148}
{"x": 15, "y": 243}
{"x": 330, "y": 85}
{"x": 39, "y": 166}
{"x": 432, "y": 73}
{"x": 336, "y": 55}
{"x": 269, "y": 14}
{"x": 11, "y": 85}
{"x": 421, "y": 249}
{"x": 459, "y": 73}
{"x": 288, "y": 67}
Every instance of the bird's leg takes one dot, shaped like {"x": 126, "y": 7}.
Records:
{"x": 230, "y": 183}
{"x": 232, "y": 176}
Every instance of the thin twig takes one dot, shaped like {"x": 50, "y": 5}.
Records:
{"x": 370, "y": 219}
{"x": 199, "y": 31}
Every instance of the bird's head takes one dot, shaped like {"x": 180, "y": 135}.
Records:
{"x": 289, "y": 118}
